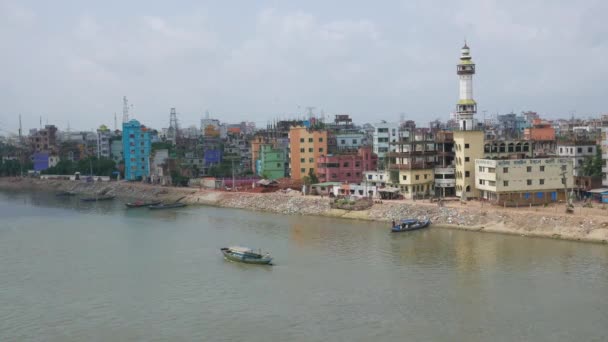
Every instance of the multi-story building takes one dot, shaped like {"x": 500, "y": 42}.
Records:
{"x": 384, "y": 134}
{"x": 469, "y": 138}
{"x": 103, "y": 142}
{"x": 305, "y": 146}
{"x": 542, "y": 135}
{"x": 579, "y": 152}
{"x": 136, "y": 150}
{"x": 346, "y": 167}
{"x": 414, "y": 162}
{"x": 272, "y": 162}
{"x": 346, "y": 141}
{"x": 445, "y": 169}
{"x": 376, "y": 178}
{"x": 524, "y": 181}
{"x": 44, "y": 140}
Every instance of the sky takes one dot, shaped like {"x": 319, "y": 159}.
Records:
{"x": 71, "y": 62}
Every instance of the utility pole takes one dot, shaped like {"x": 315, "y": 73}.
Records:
{"x": 233, "y": 174}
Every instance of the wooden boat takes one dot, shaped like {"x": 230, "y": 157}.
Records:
{"x": 407, "y": 225}
{"x": 166, "y": 206}
{"x": 100, "y": 198}
{"x": 246, "y": 255}
{"x": 140, "y": 204}
{"x": 65, "y": 193}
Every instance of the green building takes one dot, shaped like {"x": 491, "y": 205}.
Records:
{"x": 272, "y": 161}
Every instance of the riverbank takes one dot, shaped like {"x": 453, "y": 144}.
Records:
{"x": 586, "y": 224}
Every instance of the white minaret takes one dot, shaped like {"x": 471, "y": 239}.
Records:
{"x": 467, "y": 107}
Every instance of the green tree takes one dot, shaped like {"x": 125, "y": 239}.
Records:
{"x": 593, "y": 165}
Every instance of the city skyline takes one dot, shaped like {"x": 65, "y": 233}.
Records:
{"x": 271, "y": 60}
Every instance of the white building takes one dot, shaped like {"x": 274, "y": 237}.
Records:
{"x": 578, "y": 152}
{"x": 350, "y": 141}
{"x": 384, "y": 134}
{"x": 523, "y": 181}
{"x": 376, "y": 178}
{"x": 103, "y": 142}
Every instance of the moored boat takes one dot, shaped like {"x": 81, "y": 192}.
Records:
{"x": 95, "y": 199}
{"x": 407, "y": 225}
{"x": 246, "y": 255}
{"x": 65, "y": 193}
{"x": 140, "y": 204}
{"x": 167, "y": 206}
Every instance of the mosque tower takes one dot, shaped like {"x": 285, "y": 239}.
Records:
{"x": 466, "y": 107}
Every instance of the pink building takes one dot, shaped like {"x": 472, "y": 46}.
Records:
{"x": 346, "y": 167}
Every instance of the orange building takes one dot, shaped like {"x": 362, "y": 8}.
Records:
{"x": 540, "y": 131}
{"x": 305, "y": 146}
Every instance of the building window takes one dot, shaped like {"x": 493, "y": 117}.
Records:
{"x": 529, "y": 182}
{"x": 302, "y": 160}
{"x": 505, "y": 170}
{"x": 561, "y": 150}
{"x": 321, "y": 150}
{"x": 343, "y": 142}
{"x": 481, "y": 169}
{"x": 563, "y": 180}
{"x": 417, "y": 177}
{"x": 579, "y": 150}
{"x": 302, "y": 170}
{"x": 425, "y": 176}
{"x": 404, "y": 177}
{"x": 278, "y": 164}
{"x": 345, "y": 164}
{"x": 466, "y": 145}
{"x": 542, "y": 168}
{"x": 481, "y": 182}
{"x": 301, "y": 140}
{"x": 529, "y": 168}
{"x": 467, "y": 174}
{"x": 505, "y": 183}
{"x": 311, "y": 160}
{"x": 311, "y": 150}
{"x": 309, "y": 140}
{"x": 541, "y": 181}
{"x": 348, "y": 174}
{"x": 311, "y": 170}
{"x": 320, "y": 139}
{"x": 369, "y": 176}
{"x": 466, "y": 159}
{"x": 302, "y": 150}
{"x": 563, "y": 167}
{"x": 354, "y": 141}
{"x": 590, "y": 149}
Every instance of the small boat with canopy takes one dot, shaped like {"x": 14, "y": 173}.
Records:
{"x": 246, "y": 255}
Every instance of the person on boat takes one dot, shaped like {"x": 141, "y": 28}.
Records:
{"x": 393, "y": 223}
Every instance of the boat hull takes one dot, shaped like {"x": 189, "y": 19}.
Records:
{"x": 97, "y": 199}
{"x": 141, "y": 205}
{"x": 417, "y": 226}
{"x": 166, "y": 206}
{"x": 246, "y": 260}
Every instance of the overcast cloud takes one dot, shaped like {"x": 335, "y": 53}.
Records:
{"x": 69, "y": 61}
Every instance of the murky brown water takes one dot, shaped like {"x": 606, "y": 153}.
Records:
{"x": 71, "y": 271}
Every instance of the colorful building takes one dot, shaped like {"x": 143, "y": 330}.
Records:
{"x": 347, "y": 167}
{"x": 272, "y": 162}
{"x": 136, "y": 150}
{"x": 540, "y": 131}
{"x": 305, "y": 146}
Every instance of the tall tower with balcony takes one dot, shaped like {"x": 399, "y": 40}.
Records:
{"x": 468, "y": 139}
{"x": 466, "y": 107}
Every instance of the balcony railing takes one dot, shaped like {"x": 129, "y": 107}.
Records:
{"x": 412, "y": 166}
{"x": 445, "y": 183}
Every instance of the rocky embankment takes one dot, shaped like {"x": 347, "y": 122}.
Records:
{"x": 542, "y": 222}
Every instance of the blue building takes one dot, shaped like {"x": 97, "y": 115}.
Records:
{"x": 136, "y": 145}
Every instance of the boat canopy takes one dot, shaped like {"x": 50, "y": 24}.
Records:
{"x": 241, "y": 249}
{"x": 410, "y": 221}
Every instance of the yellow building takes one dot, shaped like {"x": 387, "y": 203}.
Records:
{"x": 304, "y": 147}
{"x": 468, "y": 146}
{"x": 416, "y": 183}
{"x": 524, "y": 181}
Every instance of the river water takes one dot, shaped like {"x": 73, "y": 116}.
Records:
{"x": 72, "y": 271}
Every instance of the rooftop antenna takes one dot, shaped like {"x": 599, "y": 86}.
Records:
{"x": 125, "y": 109}
{"x": 41, "y": 122}
{"x": 115, "y": 122}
